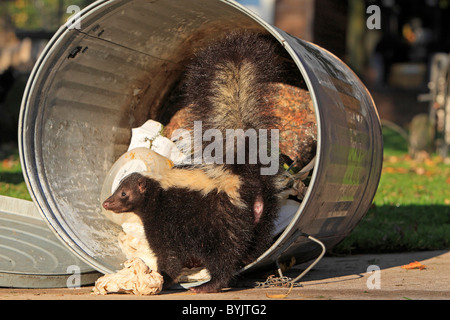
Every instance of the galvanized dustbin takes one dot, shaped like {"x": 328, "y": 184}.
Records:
{"x": 93, "y": 84}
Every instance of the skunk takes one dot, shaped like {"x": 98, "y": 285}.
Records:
{"x": 217, "y": 215}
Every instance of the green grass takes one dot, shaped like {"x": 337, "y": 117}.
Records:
{"x": 411, "y": 210}
{"x": 12, "y": 183}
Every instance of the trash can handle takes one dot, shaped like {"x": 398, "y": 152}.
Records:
{"x": 294, "y": 237}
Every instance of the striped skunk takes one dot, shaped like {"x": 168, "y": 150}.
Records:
{"x": 218, "y": 215}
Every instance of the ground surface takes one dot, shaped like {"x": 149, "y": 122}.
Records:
{"x": 333, "y": 278}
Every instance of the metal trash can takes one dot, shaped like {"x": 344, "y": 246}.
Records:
{"x": 93, "y": 84}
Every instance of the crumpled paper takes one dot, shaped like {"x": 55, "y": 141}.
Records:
{"x": 149, "y": 135}
{"x": 133, "y": 243}
{"x": 136, "y": 277}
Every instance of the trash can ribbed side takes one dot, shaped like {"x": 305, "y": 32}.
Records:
{"x": 93, "y": 84}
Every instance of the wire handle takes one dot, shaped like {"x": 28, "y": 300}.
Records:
{"x": 280, "y": 273}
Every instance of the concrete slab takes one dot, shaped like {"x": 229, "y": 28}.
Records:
{"x": 334, "y": 278}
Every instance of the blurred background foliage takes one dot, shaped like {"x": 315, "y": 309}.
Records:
{"x": 39, "y": 14}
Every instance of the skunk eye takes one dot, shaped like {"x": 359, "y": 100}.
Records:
{"x": 123, "y": 194}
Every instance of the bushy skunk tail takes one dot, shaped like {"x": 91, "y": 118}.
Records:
{"x": 227, "y": 83}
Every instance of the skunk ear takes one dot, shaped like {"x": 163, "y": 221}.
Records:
{"x": 142, "y": 184}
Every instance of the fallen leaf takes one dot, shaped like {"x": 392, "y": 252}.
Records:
{"x": 280, "y": 296}
{"x": 276, "y": 296}
{"x": 389, "y": 170}
{"x": 420, "y": 171}
{"x": 393, "y": 159}
{"x": 414, "y": 265}
{"x": 7, "y": 163}
{"x": 430, "y": 162}
{"x": 402, "y": 170}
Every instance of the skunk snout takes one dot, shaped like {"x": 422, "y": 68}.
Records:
{"x": 106, "y": 204}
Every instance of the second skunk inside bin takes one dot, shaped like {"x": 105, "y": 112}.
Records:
{"x": 94, "y": 83}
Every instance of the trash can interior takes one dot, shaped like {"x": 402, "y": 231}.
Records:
{"x": 93, "y": 84}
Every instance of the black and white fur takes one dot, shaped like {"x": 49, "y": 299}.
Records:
{"x": 218, "y": 216}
